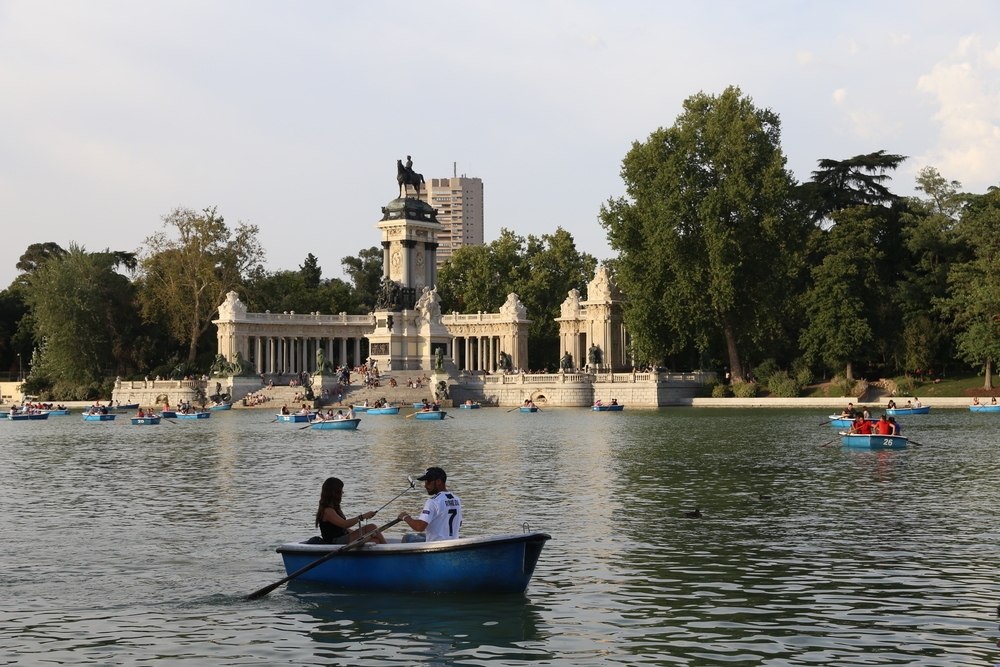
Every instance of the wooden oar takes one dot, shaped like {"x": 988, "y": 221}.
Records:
{"x": 832, "y": 441}
{"x": 914, "y": 442}
{"x": 319, "y": 561}
{"x": 410, "y": 415}
{"x": 512, "y": 409}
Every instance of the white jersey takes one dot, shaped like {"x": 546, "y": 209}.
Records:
{"x": 443, "y": 514}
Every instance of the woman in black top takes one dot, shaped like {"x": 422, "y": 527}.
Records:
{"x": 333, "y": 525}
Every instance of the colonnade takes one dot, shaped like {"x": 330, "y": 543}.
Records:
{"x": 295, "y": 354}
{"x": 478, "y": 353}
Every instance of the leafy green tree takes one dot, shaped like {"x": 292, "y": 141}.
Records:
{"x": 83, "y": 314}
{"x": 37, "y": 254}
{"x": 311, "y": 272}
{"x": 857, "y": 181}
{"x": 365, "y": 272}
{"x": 974, "y": 295}
{"x": 185, "y": 279}
{"x": 708, "y": 244}
{"x": 479, "y": 278}
{"x": 287, "y": 291}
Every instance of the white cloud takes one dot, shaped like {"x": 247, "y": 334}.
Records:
{"x": 899, "y": 40}
{"x": 966, "y": 90}
{"x": 805, "y": 58}
{"x": 839, "y": 95}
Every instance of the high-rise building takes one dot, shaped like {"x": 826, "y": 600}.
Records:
{"x": 459, "y": 204}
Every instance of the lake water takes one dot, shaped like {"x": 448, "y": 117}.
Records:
{"x": 122, "y": 544}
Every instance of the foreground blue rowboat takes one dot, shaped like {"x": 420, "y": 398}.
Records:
{"x": 99, "y": 418}
{"x": 607, "y": 408}
{"x": 295, "y": 419}
{"x": 531, "y": 409}
{"x": 895, "y": 412}
{"x": 499, "y": 564}
{"x": 168, "y": 414}
{"x": 383, "y": 411}
{"x": 873, "y": 441}
{"x": 194, "y": 415}
{"x": 336, "y": 425}
{"x": 222, "y": 406}
{"x": 431, "y": 414}
{"x": 985, "y": 408}
{"x": 837, "y": 421}
{"x": 469, "y": 406}
{"x": 145, "y": 420}
{"x": 28, "y": 417}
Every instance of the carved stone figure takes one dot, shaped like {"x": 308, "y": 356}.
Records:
{"x": 406, "y": 176}
{"x": 513, "y": 308}
{"x": 322, "y": 365}
{"x": 504, "y": 361}
{"x": 220, "y": 366}
{"x": 429, "y": 305}
{"x": 570, "y": 308}
{"x": 439, "y": 360}
{"x": 594, "y": 355}
{"x": 240, "y": 366}
{"x": 566, "y": 363}
{"x": 388, "y": 296}
{"x": 441, "y": 391}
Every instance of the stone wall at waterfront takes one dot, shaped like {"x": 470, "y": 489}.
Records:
{"x": 152, "y": 392}
{"x": 581, "y": 389}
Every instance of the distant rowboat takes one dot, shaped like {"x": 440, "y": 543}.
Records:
{"x": 895, "y": 412}
{"x": 99, "y": 418}
{"x": 873, "y": 441}
{"x": 297, "y": 418}
{"x": 336, "y": 425}
{"x": 531, "y": 409}
{"x": 151, "y": 421}
{"x": 430, "y": 414}
{"x": 383, "y": 411}
{"x": 469, "y": 406}
{"x": 607, "y": 408}
{"x": 221, "y": 406}
{"x": 984, "y": 408}
{"x": 194, "y": 415}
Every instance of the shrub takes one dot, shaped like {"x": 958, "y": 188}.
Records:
{"x": 721, "y": 391}
{"x": 905, "y": 385}
{"x": 842, "y": 385}
{"x": 859, "y": 388}
{"x": 783, "y": 386}
{"x": 766, "y": 370}
{"x": 745, "y": 390}
{"x": 802, "y": 373}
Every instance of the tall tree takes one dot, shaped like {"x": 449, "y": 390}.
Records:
{"x": 974, "y": 294}
{"x": 311, "y": 272}
{"x": 857, "y": 181}
{"x": 83, "y": 314}
{"x": 365, "y": 272}
{"x": 185, "y": 279}
{"x": 707, "y": 245}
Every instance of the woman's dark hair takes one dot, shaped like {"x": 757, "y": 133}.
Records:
{"x": 330, "y": 496}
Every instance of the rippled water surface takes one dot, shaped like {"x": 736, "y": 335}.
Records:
{"x": 122, "y": 544}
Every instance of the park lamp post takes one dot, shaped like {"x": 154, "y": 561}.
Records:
{"x": 19, "y": 367}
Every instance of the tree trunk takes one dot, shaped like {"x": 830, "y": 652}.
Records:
{"x": 735, "y": 367}
{"x": 850, "y": 371}
{"x": 988, "y": 385}
{"x": 193, "y": 349}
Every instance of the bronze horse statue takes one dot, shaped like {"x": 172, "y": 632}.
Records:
{"x": 406, "y": 176}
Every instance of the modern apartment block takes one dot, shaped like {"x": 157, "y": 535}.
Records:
{"x": 459, "y": 204}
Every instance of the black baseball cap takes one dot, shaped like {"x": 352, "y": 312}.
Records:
{"x": 433, "y": 473}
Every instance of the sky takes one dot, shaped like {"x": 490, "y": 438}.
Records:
{"x": 291, "y": 116}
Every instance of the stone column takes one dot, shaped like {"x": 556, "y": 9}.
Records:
{"x": 343, "y": 352}
{"x": 408, "y": 262}
{"x": 385, "y": 258}
{"x": 259, "y": 356}
{"x": 468, "y": 353}
{"x": 357, "y": 351}
{"x": 493, "y": 354}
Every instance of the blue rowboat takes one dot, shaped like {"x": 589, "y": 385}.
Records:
{"x": 873, "y": 441}
{"x": 383, "y": 411}
{"x": 127, "y": 406}
{"x": 99, "y": 418}
{"x": 194, "y": 415}
{"x": 469, "y": 406}
{"x": 419, "y": 406}
{"x": 168, "y": 414}
{"x": 532, "y": 409}
{"x": 498, "y": 564}
{"x": 336, "y": 425}
{"x": 295, "y": 419}
{"x": 145, "y": 420}
{"x": 59, "y": 412}
{"x": 837, "y": 421}
{"x": 895, "y": 412}
{"x": 984, "y": 408}
{"x": 27, "y": 416}
{"x": 607, "y": 408}
{"x": 360, "y": 408}
{"x": 430, "y": 414}
{"x": 221, "y": 406}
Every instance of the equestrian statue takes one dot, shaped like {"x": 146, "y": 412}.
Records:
{"x": 406, "y": 176}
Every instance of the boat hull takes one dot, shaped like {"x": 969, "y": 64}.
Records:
{"x": 194, "y": 415}
{"x": 895, "y": 412}
{"x": 861, "y": 441}
{"x": 294, "y": 419}
{"x": 383, "y": 411}
{"x": 336, "y": 425}
{"x": 529, "y": 409}
{"x": 842, "y": 422}
{"x": 59, "y": 412}
{"x": 607, "y": 408}
{"x": 168, "y": 414}
{"x": 474, "y": 406}
{"x": 500, "y": 564}
{"x": 431, "y": 415}
{"x": 99, "y": 418}
{"x": 28, "y": 417}
{"x": 360, "y": 408}
{"x": 224, "y": 406}
{"x": 127, "y": 406}
{"x": 984, "y": 408}
{"x": 145, "y": 421}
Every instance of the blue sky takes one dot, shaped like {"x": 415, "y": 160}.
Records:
{"x": 291, "y": 115}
